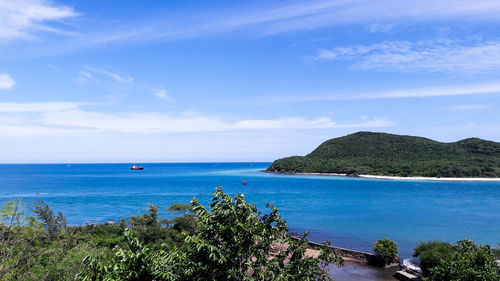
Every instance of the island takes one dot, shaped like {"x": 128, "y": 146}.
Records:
{"x": 390, "y": 155}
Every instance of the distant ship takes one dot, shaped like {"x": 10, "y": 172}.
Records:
{"x": 134, "y": 167}
{"x": 244, "y": 182}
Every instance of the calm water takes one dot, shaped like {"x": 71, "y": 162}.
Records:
{"x": 351, "y": 213}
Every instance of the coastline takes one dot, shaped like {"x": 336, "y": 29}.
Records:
{"x": 380, "y": 177}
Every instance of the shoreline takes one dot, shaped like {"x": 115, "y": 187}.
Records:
{"x": 380, "y": 177}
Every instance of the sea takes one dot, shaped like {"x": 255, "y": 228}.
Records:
{"x": 350, "y": 212}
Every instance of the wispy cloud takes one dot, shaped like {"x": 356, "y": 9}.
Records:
{"x": 6, "y": 82}
{"x": 440, "y": 91}
{"x": 96, "y": 74}
{"x": 162, "y": 94}
{"x": 64, "y": 117}
{"x": 468, "y": 107}
{"x": 115, "y": 76}
{"x": 378, "y": 27}
{"x": 434, "y": 56}
{"x": 37, "y": 107}
{"x": 21, "y": 19}
{"x": 491, "y": 88}
{"x": 272, "y": 18}
{"x": 159, "y": 123}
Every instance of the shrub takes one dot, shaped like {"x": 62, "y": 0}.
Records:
{"x": 468, "y": 262}
{"x": 386, "y": 250}
{"x": 432, "y": 254}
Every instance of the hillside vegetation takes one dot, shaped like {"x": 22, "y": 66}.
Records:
{"x": 397, "y": 155}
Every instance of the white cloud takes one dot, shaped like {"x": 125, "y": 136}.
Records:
{"x": 301, "y": 123}
{"x": 6, "y": 82}
{"x": 434, "y": 56}
{"x": 64, "y": 117}
{"x": 20, "y": 19}
{"x": 156, "y": 123}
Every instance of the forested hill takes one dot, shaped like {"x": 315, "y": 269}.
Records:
{"x": 397, "y": 155}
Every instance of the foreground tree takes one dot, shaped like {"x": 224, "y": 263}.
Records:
{"x": 233, "y": 241}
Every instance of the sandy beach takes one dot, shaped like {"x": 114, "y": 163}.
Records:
{"x": 395, "y": 177}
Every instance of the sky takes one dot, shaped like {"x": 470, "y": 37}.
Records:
{"x": 200, "y": 81}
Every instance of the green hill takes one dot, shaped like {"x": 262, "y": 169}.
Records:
{"x": 397, "y": 155}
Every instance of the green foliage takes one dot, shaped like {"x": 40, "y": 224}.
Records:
{"x": 180, "y": 209}
{"x": 432, "y": 254}
{"x": 52, "y": 223}
{"x": 185, "y": 221}
{"x": 29, "y": 252}
{"x": 147, "y": 219}
{"x": 396, "y": 155}
{"x": 11, "y": 213}
{"x": 233, "y": 241}
{"x": 386, "y": 250}
{"x": 496, "y": 252}
{"x": 135, "y": 263}
{"x": 468, "y": 262}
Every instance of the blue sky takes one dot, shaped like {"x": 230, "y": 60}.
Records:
{"x": 129, "y": 81}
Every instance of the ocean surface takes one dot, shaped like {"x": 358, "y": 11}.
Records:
{"x": 349, "y": 212}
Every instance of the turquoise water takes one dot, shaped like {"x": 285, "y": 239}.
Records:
{"x": 350, "y": 212}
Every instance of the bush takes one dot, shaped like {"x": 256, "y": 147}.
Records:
{"x": 386, "y": 250}
{"x": 432, "y": 254}
{"x": 468, "y": 262}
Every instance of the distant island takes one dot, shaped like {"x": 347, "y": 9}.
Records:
{"x": 381, "y": 154}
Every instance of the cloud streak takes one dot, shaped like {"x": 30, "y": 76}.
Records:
{"x": 268, "y": 19}
{"x": 491, "y": 88}
{"x": 437, "y": 56}
{"x": 92, "y": 74}
{"x": 6, "y": 107}
{"x": 65, "y": 117}
{"x": 115, "y": 76}
{"x": 468, "y": 107}
{"x": 21, "y": 19}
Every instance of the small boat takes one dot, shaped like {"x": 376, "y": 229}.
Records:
{"x": 134, "y": 167}
{"x": 244, "y": 182}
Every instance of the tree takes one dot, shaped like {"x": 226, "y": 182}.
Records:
{"x": 52, "y": 223}
{"x": 147, "y": 219}
{"x": 11, "y": 213}
{"x": 233, "y": 241}
{"x": 10, "y": 220}
{"x": 185, "y": 219}
{"x": 432, "y": 254}
{"x": 386, "y": 250}
{"x": 16, "y": 242}
{"x": 468, "y": 262}
{"x": 180, "y": 209}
